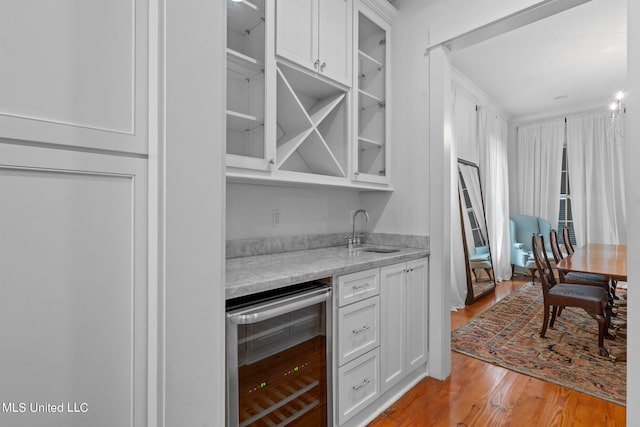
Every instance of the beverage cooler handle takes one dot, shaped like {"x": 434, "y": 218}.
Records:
{"x": 272, "y": 309}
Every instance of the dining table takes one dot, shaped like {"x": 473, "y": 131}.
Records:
{"x": 598, "y": 258}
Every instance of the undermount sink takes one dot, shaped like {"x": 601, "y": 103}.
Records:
{"x": 381, "y": 250}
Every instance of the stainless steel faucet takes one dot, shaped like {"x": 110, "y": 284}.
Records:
{"x": 355, "y": 238}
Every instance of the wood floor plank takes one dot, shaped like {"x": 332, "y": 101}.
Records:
{"x": 480, "y": 394}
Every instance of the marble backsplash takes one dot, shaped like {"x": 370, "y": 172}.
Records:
{"x": 272, "y": 245}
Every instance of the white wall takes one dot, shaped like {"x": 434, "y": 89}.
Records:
{"x": 192, "y": 208}
{"x": 406, "y": 210}
{"x": 302, "y": 211}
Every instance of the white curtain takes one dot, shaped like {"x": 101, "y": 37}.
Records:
{"x": 596, "y": 161}
{"x": 494, "y": 172}
{"x": 464, "y": 143}
{"x": 539, "y": 169}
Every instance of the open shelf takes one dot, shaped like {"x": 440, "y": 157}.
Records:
{"x": 369, "y": 100}
{"x": 370, "y": 142}
{"x": 370, "y": 158}
{"x": 368, "y": 63}
{"x": 312, "y": 123}
{"x": 242, "y": 122}
{"x": 248, "y": 4}
{"x": 243, "y": 60}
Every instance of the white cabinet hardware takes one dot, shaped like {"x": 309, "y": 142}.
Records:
{"x": 361, "y": 330}
{"x": 359, "y": 386}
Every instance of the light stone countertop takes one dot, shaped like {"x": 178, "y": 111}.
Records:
{"x": 253, "y": 274}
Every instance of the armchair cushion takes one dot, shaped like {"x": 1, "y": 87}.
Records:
{"x": 522, "y": 228}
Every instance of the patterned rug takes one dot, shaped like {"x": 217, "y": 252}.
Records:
{"x": 508, "y": 335}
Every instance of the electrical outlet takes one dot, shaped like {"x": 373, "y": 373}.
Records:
{"x": 275, "y": 218}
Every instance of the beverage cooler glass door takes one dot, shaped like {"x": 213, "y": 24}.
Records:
{"x": 278, "y": 358}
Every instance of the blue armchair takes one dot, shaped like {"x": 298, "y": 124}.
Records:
{"x": 522, "y": 228}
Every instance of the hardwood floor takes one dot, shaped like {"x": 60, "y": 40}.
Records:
{"x": 480, "y": 394}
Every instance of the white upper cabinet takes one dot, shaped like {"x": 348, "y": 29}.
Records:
{"x": 316, "y": 34}
{"x": 297, "y": 111}
{"x": 249, "y": 26}
{"x": 76, "y": 74}
{"x": 371, "y": 80}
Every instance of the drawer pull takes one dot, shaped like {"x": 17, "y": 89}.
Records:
{"x": 361, "y": 330}
{"x": 358, "y": 287}
{"x": 364, "y": 383}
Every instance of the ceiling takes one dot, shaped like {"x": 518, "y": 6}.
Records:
{"x": 570, "y": 61}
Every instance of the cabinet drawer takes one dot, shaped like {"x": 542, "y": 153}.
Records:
{"x": 358, "y": 385}
{"x": 359, "y": 329}
{"x": 358, "y": 286}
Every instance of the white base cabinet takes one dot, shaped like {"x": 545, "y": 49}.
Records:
{"x": 403, "y": 304}
{"x": 380, "y": 337}
{"x": 357, "y": 335}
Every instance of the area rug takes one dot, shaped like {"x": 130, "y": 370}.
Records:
{"x": 508, "y": 335}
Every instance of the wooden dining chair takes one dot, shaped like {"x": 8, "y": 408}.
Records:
{"x": 611, "y": 284}
{"x": 566, "y": 236}
{"x": 592, "y": 299}
{"x": 571, "y": 276}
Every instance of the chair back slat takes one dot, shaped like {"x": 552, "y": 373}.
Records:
{"x": 566, "y": 236}
{"x": 557, "y": 252}
{"x": 555, "y": 246}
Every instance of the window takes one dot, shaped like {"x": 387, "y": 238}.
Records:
{"x": 566, "y": 217}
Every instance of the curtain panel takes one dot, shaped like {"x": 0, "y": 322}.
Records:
{"x": 596, "y": 161}
{"x": 494, "y": 174}
{"x": 464, "y": 146}
{"x": 539, "y": 169}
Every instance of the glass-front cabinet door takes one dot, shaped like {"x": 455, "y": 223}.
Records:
{"x": 371, "y": 79}
{"x": 248, "y": 71}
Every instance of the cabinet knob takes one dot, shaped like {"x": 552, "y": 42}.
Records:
{"x": 316, "y": 64}
{"x": 324, "y": 64}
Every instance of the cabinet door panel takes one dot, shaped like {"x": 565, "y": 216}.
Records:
{"x": 359, "y": 329}
{"x": 392, "y": 351}
{"x": 358, "y": 385}
{"x": 76, "y": 73}
{"x": 416, "y": 313}
{"x": 334, "y": 39}
{"x": 358, "y": 286}
{"x": 296, "y": 30}
{"x": 73, "y": 272}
